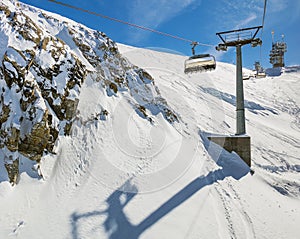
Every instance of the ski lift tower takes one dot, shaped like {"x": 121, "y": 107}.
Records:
{"x": 239, "y": 38}
{"x": 240, "y": 142}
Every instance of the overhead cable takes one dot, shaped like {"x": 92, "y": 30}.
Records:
{"x": 128, "y": 23}
{"x": 265, "y": 9}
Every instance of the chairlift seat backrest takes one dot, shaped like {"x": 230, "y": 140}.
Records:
{"x": 199, "y": 56}
{"x": 200, "y": 63}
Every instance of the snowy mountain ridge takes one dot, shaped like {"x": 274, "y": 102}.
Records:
{"x": 135, "y": 161}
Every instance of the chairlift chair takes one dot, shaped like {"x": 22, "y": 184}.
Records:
{"x": 246, "y": 76}
{"x": 259, "y": 71}
{"x": 200, "y": 62}
{"x": 261, "y": 74}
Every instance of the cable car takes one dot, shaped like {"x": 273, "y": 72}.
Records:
{"x": 200, "y": 62}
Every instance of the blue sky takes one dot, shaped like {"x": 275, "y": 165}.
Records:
{"x": 197, "y": 20}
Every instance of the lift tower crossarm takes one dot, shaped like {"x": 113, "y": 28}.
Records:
{"x": 238, "y": 38}
{"x": 239, "y": 41}
{"x": 243, "y": 29}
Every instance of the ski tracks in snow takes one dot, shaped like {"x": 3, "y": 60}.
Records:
{"x": 237, "y": 221}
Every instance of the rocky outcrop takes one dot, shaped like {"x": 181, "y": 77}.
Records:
{"x": 40, "y": 84}
{"x": 41, "y": 74}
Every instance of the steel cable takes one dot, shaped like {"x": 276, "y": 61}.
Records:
{"x": 129, "y": 24}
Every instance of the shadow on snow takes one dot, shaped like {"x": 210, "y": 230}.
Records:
{"x": 231, "y": 99}
{"x": 117, "y": 224}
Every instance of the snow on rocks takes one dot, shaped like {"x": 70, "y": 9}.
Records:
{"x": 45, "y": 62}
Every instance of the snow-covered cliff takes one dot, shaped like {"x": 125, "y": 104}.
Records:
{"x": 44, "y": 61}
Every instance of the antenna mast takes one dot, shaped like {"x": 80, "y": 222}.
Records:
{"x": 277, "y": 52}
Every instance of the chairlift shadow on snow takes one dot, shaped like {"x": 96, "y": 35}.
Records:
{"x": 117, "y": 225}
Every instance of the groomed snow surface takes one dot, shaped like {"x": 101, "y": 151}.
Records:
{"x": 127, "y": 177}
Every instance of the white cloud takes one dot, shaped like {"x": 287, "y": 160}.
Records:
{"x": 246, "y": 21}
{"x": 277, "y": 5}
{"x": 152, "y": 13}
{"x": 283, "y": 11}
{"x": 238, "y": 14}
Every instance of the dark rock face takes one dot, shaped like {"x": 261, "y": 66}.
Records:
{"x": 40, "y": 85}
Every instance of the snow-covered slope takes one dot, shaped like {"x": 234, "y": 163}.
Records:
{"x": 138, "y": 175}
